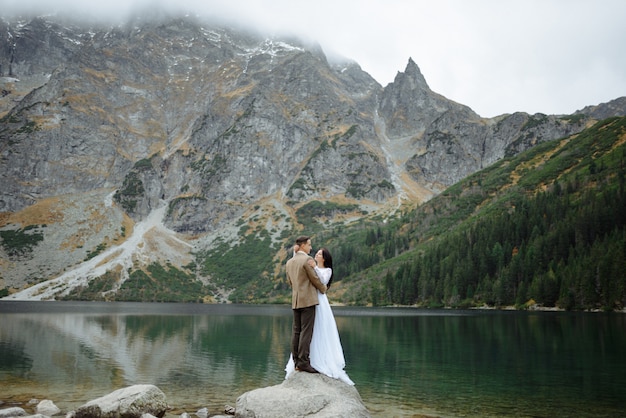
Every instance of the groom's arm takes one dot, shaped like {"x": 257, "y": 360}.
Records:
{"x": 310, "y": 272}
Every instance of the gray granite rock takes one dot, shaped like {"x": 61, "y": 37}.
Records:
{"x": 130, "y": 402}
{"x": 303, "y": 395}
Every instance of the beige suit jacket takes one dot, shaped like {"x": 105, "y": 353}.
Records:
{"x": 303, "y": 281}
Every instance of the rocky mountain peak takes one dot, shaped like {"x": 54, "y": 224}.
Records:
{"x": 412, "y": 78}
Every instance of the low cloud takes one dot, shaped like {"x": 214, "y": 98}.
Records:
{"x": 496, "y": 57}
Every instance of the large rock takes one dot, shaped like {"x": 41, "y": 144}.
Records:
{"x": 12, "y": 412}
{"x": 130, "y": 402}
{"x": 302, "y": 395}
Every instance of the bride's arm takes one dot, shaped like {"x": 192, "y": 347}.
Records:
{"x": 324, "y": 274}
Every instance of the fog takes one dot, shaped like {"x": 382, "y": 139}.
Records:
{"x": 550, "y": 56}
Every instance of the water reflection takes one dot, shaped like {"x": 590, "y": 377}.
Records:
{"x": 185, "y": 354}
{"x": 14, "y": 358}
{"x": 404, "y": 362}
{"x": 494, "y": 364}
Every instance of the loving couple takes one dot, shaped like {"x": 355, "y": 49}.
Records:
{"x": 315, "y": 344}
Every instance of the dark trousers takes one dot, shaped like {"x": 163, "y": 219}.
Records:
{"x": 303, "y": 321}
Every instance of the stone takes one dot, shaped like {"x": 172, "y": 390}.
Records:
{"x": 12, "y": 412}
{"x": 303, "y": 395}
{"x": 202, "y": 413}
{"x": 47, "y": 407}
{"x": 129, "y": 402}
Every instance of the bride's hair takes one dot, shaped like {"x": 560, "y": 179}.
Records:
{"x": 328, "y": 263}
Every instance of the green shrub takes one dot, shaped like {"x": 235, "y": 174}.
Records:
{"x": 21, "y": 241}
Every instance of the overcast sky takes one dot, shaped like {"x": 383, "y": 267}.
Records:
{"x": 495, "y": 56}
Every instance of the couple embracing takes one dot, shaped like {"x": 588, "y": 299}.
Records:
{"x": 315, "y": 344}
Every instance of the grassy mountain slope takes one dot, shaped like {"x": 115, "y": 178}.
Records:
{"x": 544, "y": 227}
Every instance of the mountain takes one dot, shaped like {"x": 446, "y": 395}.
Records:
{"x": 546, "y": 227}
{"x": 174, "y": 150}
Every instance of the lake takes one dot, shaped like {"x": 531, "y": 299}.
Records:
{"x": 405, "y": 362}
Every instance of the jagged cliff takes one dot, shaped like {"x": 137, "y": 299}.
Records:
{"x": 155, "y": 140}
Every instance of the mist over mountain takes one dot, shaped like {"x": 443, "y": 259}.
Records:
{"x": 153, "y": 142}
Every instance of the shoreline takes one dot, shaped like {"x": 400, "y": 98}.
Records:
{"x": 532, "y": 308}
{"x": 529, "y": 307}
{"x": 29, "y": 404}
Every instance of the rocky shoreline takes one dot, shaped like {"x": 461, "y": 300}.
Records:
{"x": 302, "y": 394}
{"x": 36, "y": 408}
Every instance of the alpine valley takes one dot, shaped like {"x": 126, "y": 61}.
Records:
{"x": 172, "y": 158}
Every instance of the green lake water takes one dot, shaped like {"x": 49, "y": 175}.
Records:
{"x": 405, "y": 362}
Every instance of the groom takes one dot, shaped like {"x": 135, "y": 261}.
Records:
{"x": 304, "y": 282}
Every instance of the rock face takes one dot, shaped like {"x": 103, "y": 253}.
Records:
{"x": 130, "y": 402}
{"x": 302, "y": 395}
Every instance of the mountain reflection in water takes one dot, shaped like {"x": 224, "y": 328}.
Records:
{"x": 403, "y": 361}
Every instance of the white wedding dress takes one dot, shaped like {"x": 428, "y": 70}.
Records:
{"x": 326, "y": 352}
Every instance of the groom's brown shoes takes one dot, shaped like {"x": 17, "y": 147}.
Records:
{"x": 307, "y": 369}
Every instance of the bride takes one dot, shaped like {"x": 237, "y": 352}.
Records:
{"x": 326, "y": 351}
